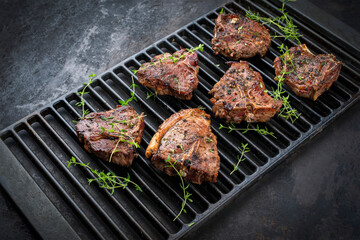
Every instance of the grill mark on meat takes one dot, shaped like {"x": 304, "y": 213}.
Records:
{"x": 247, "y": 99}
{"x": 178, "y": 79}
{"x": 102, "y": 143}
{"x": 184, "y": 137}
{"x": 312, "y": 75}
{"x": 236, "y": 37}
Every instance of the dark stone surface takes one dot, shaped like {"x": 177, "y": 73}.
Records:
{"x": 49, "y": 48}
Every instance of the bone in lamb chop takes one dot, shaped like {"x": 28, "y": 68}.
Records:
{"x": 308, "y": 75}
{"x": 186, "y": 140}
{"x": 171, "y": 74}
{"x": 240, "y": 95}
{"x": 236, "y": 37}
{"x": 112, "y": 135}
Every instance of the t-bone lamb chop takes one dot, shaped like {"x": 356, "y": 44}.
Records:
{"x": 112, "y": 135}
{"x": 238, "y": 37}
{"x": 308, "y": 75}
{"x": 240, "y": 95}
{"x": 186, "y": 140}
{"x": 174, "y": 75}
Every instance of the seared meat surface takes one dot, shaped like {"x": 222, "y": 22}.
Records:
{"x": 187, "y": 139}
{"x": 236, "y": 37}
{"x": 240, "y": 95}
{"x": 174, "y": 75}
{"x": 309, "y": 75}
{"x": 112, "y": 135}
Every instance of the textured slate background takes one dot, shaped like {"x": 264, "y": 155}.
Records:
{"x": 48, "y": 48}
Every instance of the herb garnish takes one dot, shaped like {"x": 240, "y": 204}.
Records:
{"x": 106, "y": 180}
{"x": 286, "y": 111}
{"x": 190, "y": 224}
{"x": 175, "y": 59}
{"x": 177, "y": 80}
{"x": 262, "y": 131}
{"x": 82, "y": 100}
{"x": 244, "y": 149}
{"x": 284, "y": 22}
{"x": 132, "y": 93}
{"x": 149, "y": 94}
{"x": 182, "y": 185}
{"x": 123, "y": 136}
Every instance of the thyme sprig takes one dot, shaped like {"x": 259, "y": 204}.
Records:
{"x": 106, "y": 180}
{"x": 284, "y": 23}
{"x": 286, "y": 111}
{"x": 82, "y": 100}
{"x": 175, "y": 59}
{"x": 132, "y": 94}
{"x": 150, "y": 94}
{"x": 123, "y": 137}
{"x": 243, "y": 149}
{"x": 262, "y": 131}
{"x": 186, "y": 194}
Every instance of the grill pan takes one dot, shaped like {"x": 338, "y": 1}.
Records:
{"x": 38, "y": 147}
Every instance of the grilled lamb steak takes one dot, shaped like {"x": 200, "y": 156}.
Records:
{"x": 239, "y": 37}
{"x": 174, "y": 75}
{"x": 187, "y": 140}
{"x": 310, "y": 75}
{"x": 240, "y": 95}
{"x": 112, "y": 135}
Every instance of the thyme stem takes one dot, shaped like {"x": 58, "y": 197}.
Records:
{"x": 284, "y": 23}
{"x": 82, "y": 100}
{"x": 262, "y": 131}
{"x": 106, "y": 180}
{"x": 244, "y": 149}
{"x": 184, "y": 188}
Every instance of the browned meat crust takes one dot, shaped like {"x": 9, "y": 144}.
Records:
{"x": 174, "y": 75}
{"x": 239, "y": 37}
{"x": 310, "y": 75}
{"x": 240, "y": 95}
{"x": 187, "y": 138}
{"x": 100, "y": 132}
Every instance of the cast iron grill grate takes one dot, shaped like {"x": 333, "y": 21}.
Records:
{"x": 44, "y": 141}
